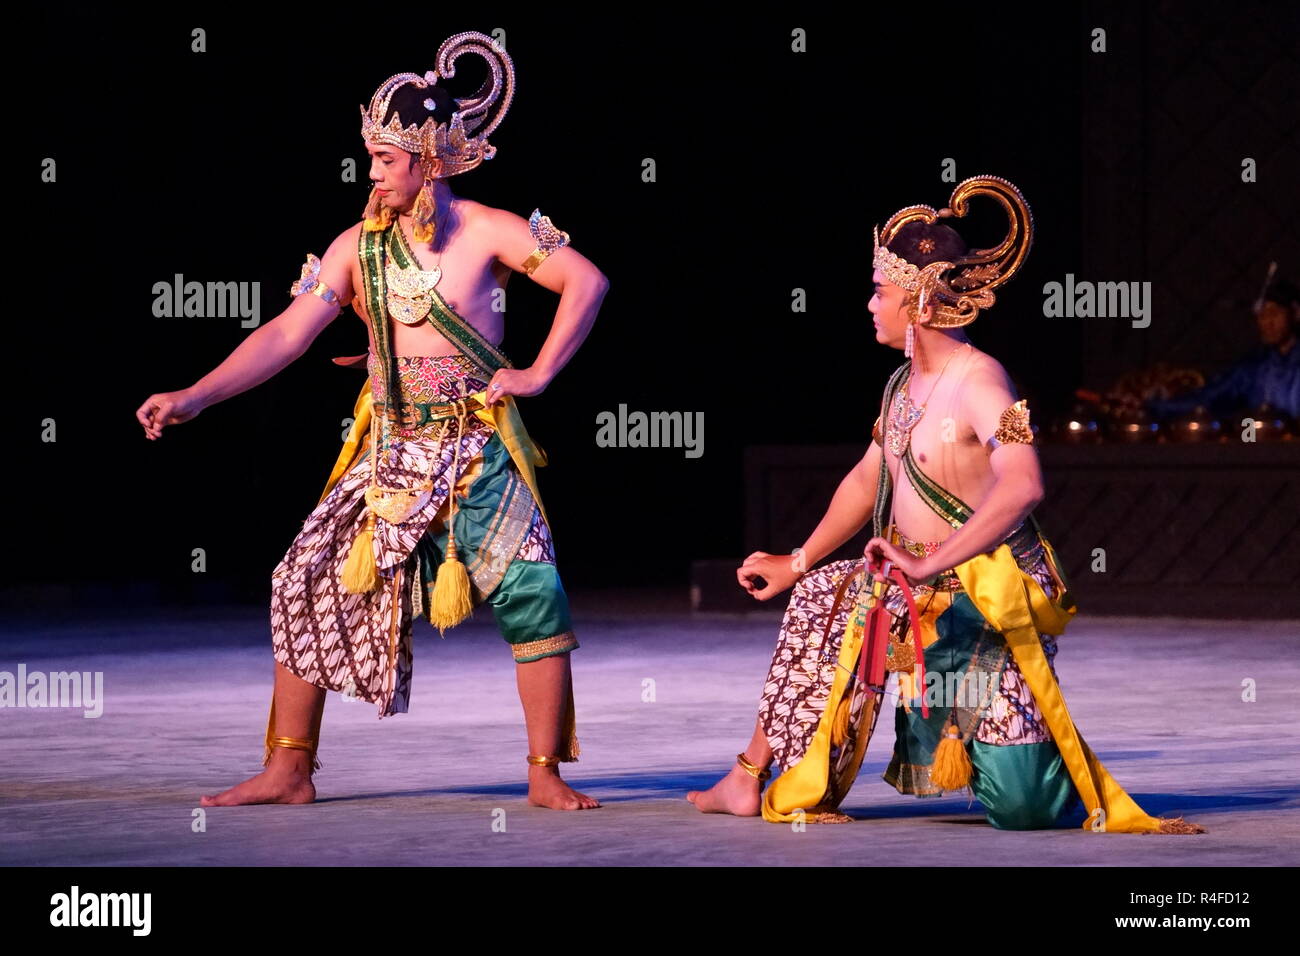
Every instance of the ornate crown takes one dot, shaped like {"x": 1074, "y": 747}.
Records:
{"x": 957, "y": 291}
{"x": 460, "y": 143}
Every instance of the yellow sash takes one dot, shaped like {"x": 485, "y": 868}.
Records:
{"x": 1016, "y": 606}
{"x": 805, "y": 786}
{"x": 504, "y": 416}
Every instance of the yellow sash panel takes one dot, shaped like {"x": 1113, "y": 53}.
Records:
{"x": 806, "y": 785}
{"x": 504, "y": 416}
{"x": 1016, "y": 606}
{"x": 352, "y": 444}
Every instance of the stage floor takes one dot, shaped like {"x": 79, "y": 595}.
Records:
{"x": 185, "y": 704}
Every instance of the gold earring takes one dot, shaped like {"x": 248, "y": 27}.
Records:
{"x": 422, "y": 213}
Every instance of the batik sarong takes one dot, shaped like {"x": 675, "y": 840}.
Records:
{"x": 360, "y": 644}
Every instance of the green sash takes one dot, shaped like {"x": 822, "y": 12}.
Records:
{"x": 375, "y": 249}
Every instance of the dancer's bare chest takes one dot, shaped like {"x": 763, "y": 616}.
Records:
{"x": 947, "y": 450}
{"x": 472, "y": 284}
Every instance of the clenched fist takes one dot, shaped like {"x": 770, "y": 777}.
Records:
{"x": 167, "y": 408}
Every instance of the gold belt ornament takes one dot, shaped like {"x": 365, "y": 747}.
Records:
{"x": 434, "y": 411}
{"x": 395, "y": 505}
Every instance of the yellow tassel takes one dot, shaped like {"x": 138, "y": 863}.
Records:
{"x": 359, "y": 572}
{"x": 951, "y": 769}
{"x": 840, "y": 726}
{"x": 451, "y": 601}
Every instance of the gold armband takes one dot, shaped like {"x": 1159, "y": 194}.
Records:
{"x": 1013, "y": 427}
{"x": 875, "y": 433}
{"x": 548, "y": 240}
{"x": 309, "y": 283}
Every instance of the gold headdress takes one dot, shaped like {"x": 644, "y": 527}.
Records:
{"x": 459, "y": 143}
{"x": 957, "y": 291}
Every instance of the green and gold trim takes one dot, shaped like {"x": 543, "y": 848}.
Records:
{"x": 506, "y": 532}
{"x": 546, "y": 647}
{"x": 372, "y": 280}
{"x": 883, "y": 485}
{"x": 945, "y": 504}
{"x": 910, "y": 778}
{"x": 493, "y": 516}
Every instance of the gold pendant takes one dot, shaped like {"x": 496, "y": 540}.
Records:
{"x": 409, "y": 311}
{"x": 395, "y": 505}
{"x": 411, "y": 282}
{"x": 409, "y": 292}
{"x": 903, "y": 417}
{"x": 900, "y": 655}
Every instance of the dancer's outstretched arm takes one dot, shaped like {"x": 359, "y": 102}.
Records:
{"x": 264, "y": 352}
{"x": 849, "y": 510}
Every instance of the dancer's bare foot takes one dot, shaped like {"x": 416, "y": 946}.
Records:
{"x": 737, "y": 793}
{"x": 285, "y": 780}
{"x": 547, "y": 789}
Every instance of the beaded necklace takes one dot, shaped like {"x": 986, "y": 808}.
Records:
{"x": 904, "y": 416}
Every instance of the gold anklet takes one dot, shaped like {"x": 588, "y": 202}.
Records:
{"x": 752, "y": 769}
{"x": 298, "y": 743}
{"x": 540, "y": 761}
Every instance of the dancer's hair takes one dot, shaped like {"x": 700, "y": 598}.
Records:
{"x": 949, "y": 246}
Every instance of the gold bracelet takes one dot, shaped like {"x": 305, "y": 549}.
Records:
{"x": 548, "y": 240}
{"x": 1013, "y": 427}
{"x": 309, "y": 282}
{"x": 326, "y": 293}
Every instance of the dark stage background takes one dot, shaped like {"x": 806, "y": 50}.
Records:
{"x": 772, "y": 168}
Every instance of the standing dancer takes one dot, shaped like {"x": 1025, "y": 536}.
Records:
{"x": 395, "y": 540}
